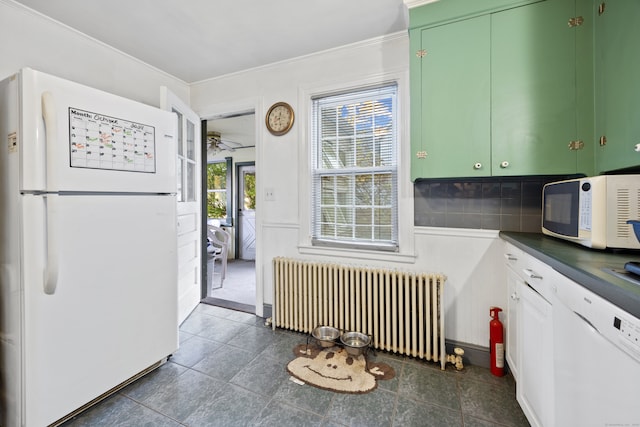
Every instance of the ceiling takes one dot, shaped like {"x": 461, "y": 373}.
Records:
{"x": 194, "y": 40}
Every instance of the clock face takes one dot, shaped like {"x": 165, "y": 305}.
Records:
{"x": 279, "y": 118}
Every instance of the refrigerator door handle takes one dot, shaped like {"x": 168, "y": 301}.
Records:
{"x": 50, "y": 128}
{"x": 50, "y": 234}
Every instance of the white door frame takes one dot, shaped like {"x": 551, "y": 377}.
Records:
{"x": 242, "y": 106}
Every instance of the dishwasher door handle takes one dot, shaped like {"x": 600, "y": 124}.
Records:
{"x": 587, "y": 321}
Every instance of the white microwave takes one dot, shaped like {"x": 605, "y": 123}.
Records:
{"x": 593, "y": 211}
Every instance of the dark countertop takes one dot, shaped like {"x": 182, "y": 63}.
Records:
{"x": 584, "y": 266}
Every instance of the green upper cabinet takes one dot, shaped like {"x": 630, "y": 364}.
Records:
{"x": 534, "y": 89}
{"x": 451, "y": 115}
{"x": 617, "y": 31}
{"x": 495, "y": 91}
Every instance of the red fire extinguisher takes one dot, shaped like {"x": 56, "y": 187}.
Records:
{"x": 496, "y": 342}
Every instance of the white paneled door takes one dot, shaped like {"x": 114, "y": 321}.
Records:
{"x": 188, "y": 173}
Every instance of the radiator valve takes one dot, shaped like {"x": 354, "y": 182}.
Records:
{"x": 268, "y": 322}
{"x": 456, "y": 358}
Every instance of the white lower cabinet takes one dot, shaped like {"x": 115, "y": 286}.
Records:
{"x": 511, "y": 324}
{"x": 529, "y": 334}
{"x": 535, "y": 390}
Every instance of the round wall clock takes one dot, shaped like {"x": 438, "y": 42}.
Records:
{"x": 279, "y": 118}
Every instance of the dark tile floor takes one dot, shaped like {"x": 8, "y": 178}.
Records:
{"x": 231, "y": 371}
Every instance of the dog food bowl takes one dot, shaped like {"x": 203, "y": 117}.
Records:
{"x": 355, "y": 343}
{"x": 326, "y": 335}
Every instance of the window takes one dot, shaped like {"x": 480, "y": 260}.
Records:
{"x": 354, "y": 169}
{"x": 219, "y": 191}
{"x": 186, "y": 167}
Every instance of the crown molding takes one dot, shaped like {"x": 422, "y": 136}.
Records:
{"x": 415, "y": 3}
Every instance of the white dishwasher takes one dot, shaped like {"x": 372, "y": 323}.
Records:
{"x": 597, "y": 360}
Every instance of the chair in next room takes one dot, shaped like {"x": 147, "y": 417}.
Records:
{"x": 217, "y": 249}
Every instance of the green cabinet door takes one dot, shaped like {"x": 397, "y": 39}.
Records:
{"x": 533, "y": 89}
{"x": 450, "y": 104}
{"x": 617, "y": 32}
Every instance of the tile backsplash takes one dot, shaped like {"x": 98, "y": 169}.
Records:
{"x": 495, "y": 203}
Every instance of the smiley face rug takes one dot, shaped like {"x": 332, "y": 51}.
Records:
{"x": 334, "y": 369}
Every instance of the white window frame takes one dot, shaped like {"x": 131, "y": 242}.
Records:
{"x": 343, "y": 166}
{"x": 406, "y": 238}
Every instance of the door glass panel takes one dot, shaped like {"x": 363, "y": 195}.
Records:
{"x": 191, "y": 181}
{"x": 186, "y": 168}
{"x": 190, "y": 162}
{"x": 249, "y": 191}
{"x": 180, "y": 172}
{"x": 180, "y": 194}
{"x": 179, "y": 133}
{"x": 191, "y": 143}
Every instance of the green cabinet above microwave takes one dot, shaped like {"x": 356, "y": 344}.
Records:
{"x": 496, "y": 91}
{"x": 617, "y": 59}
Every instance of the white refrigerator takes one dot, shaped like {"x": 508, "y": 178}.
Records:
{"x": 88, "y": 244}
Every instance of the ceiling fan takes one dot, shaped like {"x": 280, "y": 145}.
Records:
{"x": 215, "y": 143}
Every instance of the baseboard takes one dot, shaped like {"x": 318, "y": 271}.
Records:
{"x": 267, "y": 311}
{"x": 473, "y": 354}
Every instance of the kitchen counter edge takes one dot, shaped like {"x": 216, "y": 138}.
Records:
{"x": 584, "y": 266}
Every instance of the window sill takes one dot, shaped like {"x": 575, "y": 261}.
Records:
{"x": 357, "y": 254}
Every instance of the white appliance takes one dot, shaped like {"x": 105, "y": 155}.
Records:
{"x": 593, "y": 211}
{"x": 597, "y": 359}
{"x": 88, "y": 244}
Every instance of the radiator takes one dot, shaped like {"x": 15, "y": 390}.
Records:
{"x": 401, "y": 311}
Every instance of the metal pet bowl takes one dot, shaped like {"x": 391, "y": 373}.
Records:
{"x": 636, "y": 227}
{"x": 355, "y": 343}
{"x": 326, "y": 335}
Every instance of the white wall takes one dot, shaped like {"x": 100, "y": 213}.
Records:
{"x": 471, "y": 259}
{"x": 28, "y": 39}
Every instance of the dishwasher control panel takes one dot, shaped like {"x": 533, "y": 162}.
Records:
{"x": 629, "y": 334}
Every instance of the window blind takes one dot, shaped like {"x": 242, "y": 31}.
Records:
{"x": 354, "y": 169}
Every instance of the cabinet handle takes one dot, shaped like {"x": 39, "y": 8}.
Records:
{"x": 637, "y": 148}
{"x": 531, "y": 274}
{"x": 515, "y": 297}
{"x": 477, "y": 166}
{"x": 603, "y": 141}
{"x": 504, "y": 164}
{"x": 601, "y": 8}
{"x": 511, "y": 257}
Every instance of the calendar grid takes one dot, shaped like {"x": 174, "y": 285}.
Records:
{"x": 98, "y": 141}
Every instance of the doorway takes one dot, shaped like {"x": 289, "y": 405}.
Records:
{"x": 230, "y": 153}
